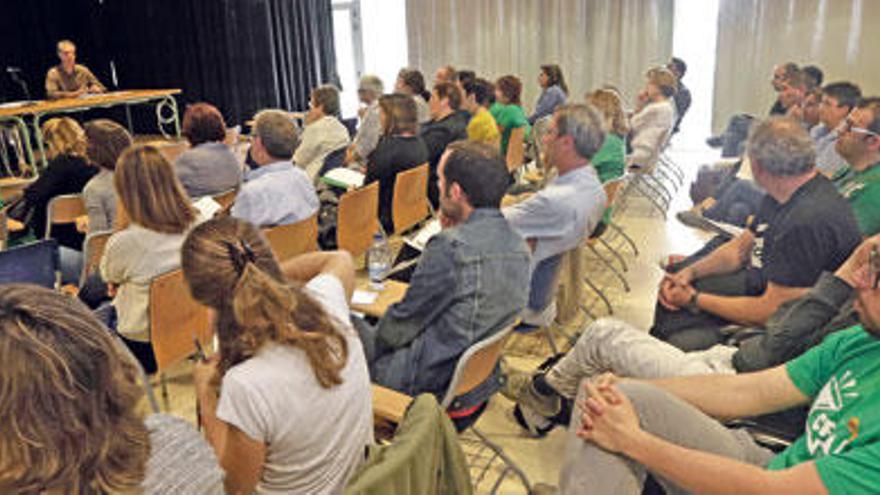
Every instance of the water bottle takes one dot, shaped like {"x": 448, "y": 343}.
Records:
{"x": 378, "y": 261}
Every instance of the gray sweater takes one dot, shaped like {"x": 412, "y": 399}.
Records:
{"x": 99, "y": 197}
{"x": 208, "y": 169}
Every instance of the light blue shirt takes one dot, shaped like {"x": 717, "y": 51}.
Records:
{"x": 275, "y": 194}
{"x": 562, "y": 214}
{"x": 827, "y": 158}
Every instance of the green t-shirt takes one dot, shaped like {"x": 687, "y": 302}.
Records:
{"x": 610, "y": 159}
{"x": 508, "y": 118}
{"x": 862, "y": 190}
{"x": 842, "y": 376}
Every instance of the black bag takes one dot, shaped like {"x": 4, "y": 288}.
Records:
{"x": 20, "y": 210}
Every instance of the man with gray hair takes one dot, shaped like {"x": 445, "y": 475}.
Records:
{"x": 370, "y": 89}
{"x": 276, "y": 192}
{"x": 804, "y": 226}
{"x": 558, "y": 217}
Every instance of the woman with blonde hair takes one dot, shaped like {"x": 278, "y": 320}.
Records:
{"x": 610, "y": 160}
{"x": 154, "y": 215}
{"x": 654, "y": 119}
{"x": 295, "y": 407}
{"x": 69, "y": 399}
{"x": 67, "y": 172}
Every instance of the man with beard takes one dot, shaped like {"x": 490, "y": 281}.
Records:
{"x": 859, "y": 181}
{"x": 471, "y": 281}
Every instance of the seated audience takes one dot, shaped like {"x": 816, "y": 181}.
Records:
{"x": 470, "y": 283}
{"x": 810, "y": 108}
{"x": 781, "y": 74}
{"x": 106, "y": 142}
{"x": 859, "y": 180}
{"x": 507, "y": 109}
{"x": 554, "y": 92}
{"x": 411, "y": 82}
{"x": 400, "y": 148}
{"x": 792, "y": 94}
{"x": 370, "y": 89}
{"x": 445, "y": 74}
{"x": 672, "y": 427}
{"x": 209, "y": 167}
{"x": 155, "y": 215}
{"x": 70, "y": 400}
{"x": 682, "y": 97}
{"x": 276, "y": 192}
{"x": 447, "y": 125}
{"x": 610, "y": 160}
{"x": 837, "y": 101}
{"x": 654, "y": 119}
{"x": 609, "y": 345}
{"x": 294, "y": 413}
{"x": 323, "y": 133}
{"x": 482, "y": 127}
{"x": 813, "y": 77}
{"x": 803, "y": 227}
{"x": 569, "y": 208}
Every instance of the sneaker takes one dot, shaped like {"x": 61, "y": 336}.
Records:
{"x": 537, "y": 425}
{"x": 519, "y": 389}
{"x": 698, "y": 221}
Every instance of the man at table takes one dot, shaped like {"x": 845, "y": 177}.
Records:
{"x": 69, "y": 79}
{"x": 471, "y": 281}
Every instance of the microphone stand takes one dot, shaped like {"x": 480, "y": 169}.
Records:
{"x": 24, "y": 87}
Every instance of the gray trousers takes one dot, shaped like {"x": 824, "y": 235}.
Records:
{"x": 611, "y": 345}
{"x": 589, "y": 469}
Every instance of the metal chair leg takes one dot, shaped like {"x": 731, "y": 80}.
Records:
{"x": 601, "y": 295}
{"x": 610, "y": 266}
{"x": 627, "y": 238}
{"x": 509, "y": 465}
{"x": 614, "y": 253}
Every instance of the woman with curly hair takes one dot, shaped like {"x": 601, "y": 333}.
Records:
{"x": 69, "y": 397}
{"x": 507, "y": 110}
{"x": 294, "y": 411}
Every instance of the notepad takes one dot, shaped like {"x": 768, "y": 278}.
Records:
{"x": 363, "y": 297}
{"x": 344, "y": 178}
{"x": 421, "y": 238}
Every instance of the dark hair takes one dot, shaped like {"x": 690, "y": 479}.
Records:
{"x": 814, "y": 75}
{"x": 679, "y": 65}
{"x": 401, "y": 114}
{"x": 789, "y": 69}
{"x": 105, "y": 142}
{"x": 229, "y": 267}
{"x": 203, "y": 123}
{"x": 415, "y": 81}
{"x": 327, "y": 97}
{"x": 554, "y": 76}
{"x": 466, "y": 76}
{"x": 846, "y": 93}
{"x": 481, "y": 89}
{"x": 510, "y": 87}
{"x": 478, "y": 169}
{"x": 872, "y": 103}
{"x": 451, "y": 92}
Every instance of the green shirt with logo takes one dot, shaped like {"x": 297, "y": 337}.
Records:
{"x": 862, "y": 190}
{"x": 842, "y": 432}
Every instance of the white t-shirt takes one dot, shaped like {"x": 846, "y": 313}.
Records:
{"x": 315, "y": 436}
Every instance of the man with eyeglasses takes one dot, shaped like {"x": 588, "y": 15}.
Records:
{"x": 859, "y": 180}
{"x": 838, "y": 100}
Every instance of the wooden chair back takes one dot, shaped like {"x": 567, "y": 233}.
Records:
{"x": 175, "y": 318}
{"x": 612, "y": 187}
{"x": 172, "y": 149}
{"x": 409, "y": 205}
{"x": 13, "y": 187}
{"x": 293, "y": 239}
{"x": 357, "y": 219}
{"x": 226, "y": 198}
{"x": 515, "y": 149}
{"x": 475, "y": 366}
{"x": 93, "y": 251}
{"x": 64, "y": 209}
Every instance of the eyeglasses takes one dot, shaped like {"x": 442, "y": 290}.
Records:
{"x": 847, "y": 126}
{"x": 874, "y": 268}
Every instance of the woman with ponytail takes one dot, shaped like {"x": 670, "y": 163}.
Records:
{"x": 294, "y": 411}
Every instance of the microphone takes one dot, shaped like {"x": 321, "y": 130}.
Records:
{"x": 13, "y": 70}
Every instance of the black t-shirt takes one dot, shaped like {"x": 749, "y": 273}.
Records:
{"x": 437, "y": 135}
{"x": 393, "y": 154}
{"x": 814, "y": 230}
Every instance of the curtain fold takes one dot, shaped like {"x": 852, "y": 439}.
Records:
{"x": 595, "y": 42}
{"x": 839, "y": 36}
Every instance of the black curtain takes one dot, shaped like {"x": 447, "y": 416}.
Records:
{"x": 241, "y": 55}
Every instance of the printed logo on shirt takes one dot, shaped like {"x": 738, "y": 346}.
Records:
{"x": 758, "y": 247}
{"x": 823, "y": 436}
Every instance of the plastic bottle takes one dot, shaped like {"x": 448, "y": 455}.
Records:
{"x": 378, "y": 261}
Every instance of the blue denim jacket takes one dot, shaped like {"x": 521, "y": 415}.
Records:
{"x": 472, "y": 281}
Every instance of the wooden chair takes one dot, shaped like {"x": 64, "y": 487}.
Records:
{"x": 410, "y": 205}
{"x": 93, "y": 251}
{"x": 171, "y": 149}
{"x": 357, "y": 219}
{"x": 515, "y": 149}
{"x": 63, "y": 209}
{"x": 226, "y": 198}
{"x": 175, "y": 320}
{"x": 13, "y": 187}
{"x": 293, "y": 239}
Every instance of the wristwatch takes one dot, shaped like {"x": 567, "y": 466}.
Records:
{"x": 692, "y": 305}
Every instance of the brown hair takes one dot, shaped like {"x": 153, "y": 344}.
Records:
{"x": 449, "y": 91}
{"x": 68, "y": 398}
{"x": 664, "y": 79}
{"x": 150, "y": 193}
{"x": 510, "y": 87}
{"x": 327, "y": 97}
{"x": 203, "y": 123}
{"x": 106, "y": 141}
{"x": 401, "y": 114}
{"x": 608, "y": 102}
{"x": 229, "y": 266}
{"x": 415, "y": 81}
{"x": 554, "y": 76}
{"x": 64, "y": 136}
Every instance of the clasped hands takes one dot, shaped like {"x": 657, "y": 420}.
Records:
{"x": 676, "y": 289}
{"x": 608, "y": 418}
